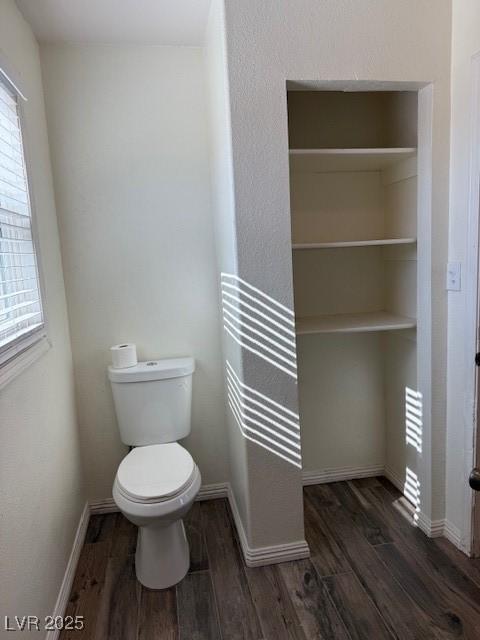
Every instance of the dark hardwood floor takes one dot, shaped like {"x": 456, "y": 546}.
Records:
{"x": 371, "y": 576}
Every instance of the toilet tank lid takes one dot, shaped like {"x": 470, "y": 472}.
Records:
{"x": 153, "y": 370}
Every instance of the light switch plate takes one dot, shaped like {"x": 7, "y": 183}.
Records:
{"x": 454, "y": 276}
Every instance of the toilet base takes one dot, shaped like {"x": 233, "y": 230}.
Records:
{"x": 162, "y": 557}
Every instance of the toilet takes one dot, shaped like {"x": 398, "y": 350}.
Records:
{"x": 157, "y": 482}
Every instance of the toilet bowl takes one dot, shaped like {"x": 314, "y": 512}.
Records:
{"x": 154, "y": 488}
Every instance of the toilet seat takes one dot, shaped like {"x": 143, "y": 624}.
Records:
{"x": 155, "y": 473}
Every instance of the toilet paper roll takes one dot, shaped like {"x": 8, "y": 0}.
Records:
{"x": 124, "y": 355}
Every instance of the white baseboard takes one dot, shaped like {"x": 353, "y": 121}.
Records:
{"x": 105, "y": 505}
{"x": 394, "y": 478}
{"x": 213, "y": 491}
{"x": 342, "y": 473}
{"x": 67, "y": 582}
{"x": 453, "y": 534}
{"x": 207, "y": 492}
{"x": 431, "y": 528}
{"x": 260, "y": 556}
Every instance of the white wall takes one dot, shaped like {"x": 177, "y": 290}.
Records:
{"x": 342, "y": 404}
{"x": 465, "y": 44}
{"x": 223, "y": 207}
{"x": 266, "y": 488}
{"x": 41, "y": 491}
{"x": 268, "y": 44}
{"x": 128, "y": 131}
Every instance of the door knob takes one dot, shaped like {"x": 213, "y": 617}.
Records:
{"x": 474, "y": 479}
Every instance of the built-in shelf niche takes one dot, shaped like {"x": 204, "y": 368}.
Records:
{"x": 353, "y": 197}
{"x": 350, "y": 281}
{"x": 353, "y": 188}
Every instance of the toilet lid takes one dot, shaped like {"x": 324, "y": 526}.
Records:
{"x": 155, "y": 472}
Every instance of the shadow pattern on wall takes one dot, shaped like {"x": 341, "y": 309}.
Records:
{"x": 259, "y": 324}
{"x": 414, "y": 419}
{"x": 263, "y": 420}
{"x": 414, "y": 439}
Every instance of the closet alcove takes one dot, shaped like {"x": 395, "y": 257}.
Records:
{"x": 353, "y": 186}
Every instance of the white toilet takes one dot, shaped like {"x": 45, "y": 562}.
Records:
{"x": 156, "y": 483}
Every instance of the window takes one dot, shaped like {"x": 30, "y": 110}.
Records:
{"x": 21, "y": 315}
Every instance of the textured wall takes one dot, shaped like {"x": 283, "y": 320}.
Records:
{"x": 269, "y": 43}
{"x": 41, "y": 492}
{"x": 465, "y": 44}
{"x": 223, "y": 207}
{"x": 128, "y": 132}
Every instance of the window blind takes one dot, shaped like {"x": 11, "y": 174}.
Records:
{"x": 21, "y": 316}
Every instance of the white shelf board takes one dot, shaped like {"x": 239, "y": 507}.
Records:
{"x": 353, "y": 243}
{"x": 353, "y": 323}
{"x": 330, "y": 160}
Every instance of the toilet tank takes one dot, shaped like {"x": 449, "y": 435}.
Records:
{"x": 153, "y": 400}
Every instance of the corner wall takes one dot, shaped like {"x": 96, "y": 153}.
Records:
{"x": 223, "y": 205}
{"x": 266, "y": 488}
{"x": 269, "y": 43}
{"x": 41, "y": 484}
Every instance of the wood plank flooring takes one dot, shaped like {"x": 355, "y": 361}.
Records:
{"x": 371, "y": 576}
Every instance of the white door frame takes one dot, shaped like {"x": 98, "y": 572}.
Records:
{"x": 424, "y": 299}
{"x": 472, "y": 343}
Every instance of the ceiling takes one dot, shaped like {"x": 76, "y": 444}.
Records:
{"x": 162, "y": 22}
